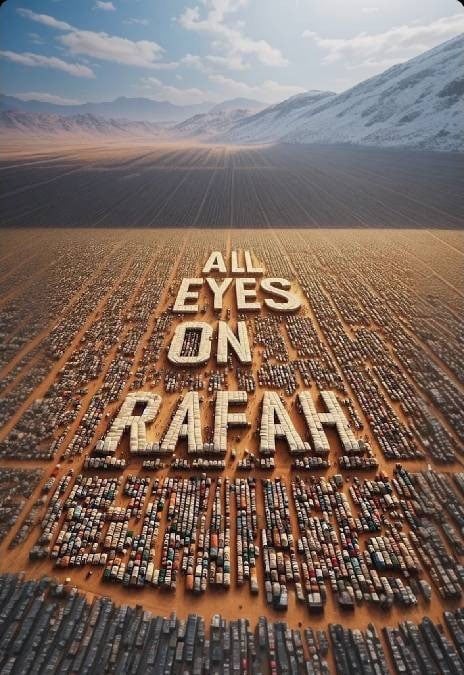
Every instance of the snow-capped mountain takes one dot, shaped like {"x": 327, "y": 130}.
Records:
{"x": 239, "y": 103}
{"x": 418, "y": 104}
{"x": 38, "y": 125}
{"x": 209, "y": 124}
{"x": 135, "y": 109}
{"x": 275, "y": 121}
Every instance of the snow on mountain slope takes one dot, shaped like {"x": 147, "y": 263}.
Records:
{"x": 419, "y": 103}
{"x": 271, "y": 123}
{"x": 239, "y": 103}
{"x": 37, "y": 124}
{"x": 209, "y": 124}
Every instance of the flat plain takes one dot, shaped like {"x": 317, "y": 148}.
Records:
{"x": 281, "y": 186}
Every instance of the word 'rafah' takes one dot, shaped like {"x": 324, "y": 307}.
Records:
{"x": 186, "y": 424}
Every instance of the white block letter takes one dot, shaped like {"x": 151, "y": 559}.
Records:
{"x": 334, "y": 417}
{"x": 186, "y": 294}
{"x": 236, "y": 268}
{"x": 215, "y": 263}
{"x": 218, "y": 290}
{"x": 243, "y": 293}
{"x": 241, "y": 346}
{"x": 223, "y": 419}
{"x": 197, "y": 333}
{"x": 276, "y": 423}
{"x": 186, "y": 423}
{"x": 137, "y": 423}
{"x": 250, "y": 267}
{"x": 279, "y": 288}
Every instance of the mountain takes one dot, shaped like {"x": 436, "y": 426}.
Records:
{"x": 240, "y": 103}
{"x": 414, "y": 104}
{"x": 38, "y": 125}
{"x": 122, "y": 107}
{"x": 209, "y": 124}
{"x": 275, "y": 121}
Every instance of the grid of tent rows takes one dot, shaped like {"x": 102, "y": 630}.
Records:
{"x": 324, "y": 532}
{"x": 45, "y": 626}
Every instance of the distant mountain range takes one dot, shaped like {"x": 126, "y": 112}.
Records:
{"x": 129, "y": 108}
{"x": 203, "y": 127}
{"x": 416, "y": 104}
{"x": 47, "y": 119}
{"x": 249, "y": 104}
{"x": 85, "y": 125}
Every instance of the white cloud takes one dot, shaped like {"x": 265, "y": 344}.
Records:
{"x": 229, "y": 38}
{"x": 222, "y": 88}
{"x": 105, "y": 6}
{"x": 208, "y": 63}
{"x": 268, "y": 91}
{"x": 231, "y": 61}
{"x": 141, "y": 53}
{"x": 40, "y": 61}
{"x": 45, "y": 98}
{"x": 44, "y": 19}
{"x": 370, "y": 10}
{"x": 397, "y": 44}
{"x": 194, "y": 61}
{"x": 176, "y": 95}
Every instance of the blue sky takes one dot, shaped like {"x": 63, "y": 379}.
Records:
{"x": 190, "y": 51}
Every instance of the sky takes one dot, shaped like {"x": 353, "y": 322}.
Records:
{"x": 194, "y": 51}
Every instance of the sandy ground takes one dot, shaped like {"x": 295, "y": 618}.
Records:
{"x": 235, "y": 602}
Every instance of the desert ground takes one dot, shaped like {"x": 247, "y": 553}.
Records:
{"x": 95, "y": 244}
{"x": 71, "y": 297}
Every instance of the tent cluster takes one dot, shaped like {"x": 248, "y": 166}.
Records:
{"x": 333, "y": 417}
{"x": 224, "y": 419}
{"x": 136, "y": 423}
{"x": 283, "y": 428}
